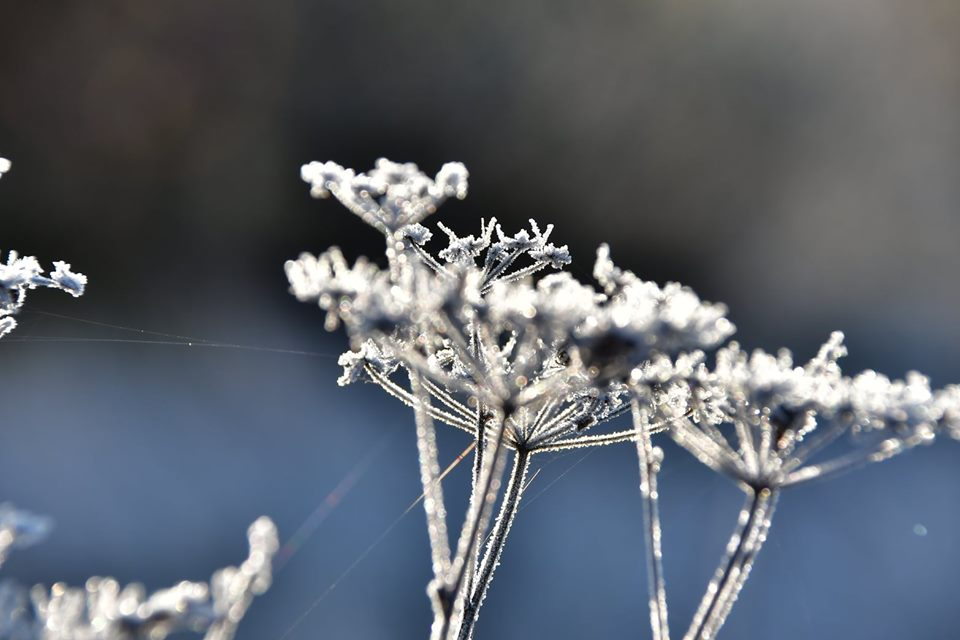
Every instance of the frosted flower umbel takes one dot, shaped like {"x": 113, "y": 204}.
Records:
{"x": 391, "y": 196}
{"x": 639, "y": 320}
{"x": 521, "y": 365}
{"x": 784, "y": 417}
{"x": 769, "y": 424}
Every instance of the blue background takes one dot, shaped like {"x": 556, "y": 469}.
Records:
{"x": 796, "y": 160}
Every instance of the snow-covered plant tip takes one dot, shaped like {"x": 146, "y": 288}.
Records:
{"x": 18, "y": 275}
{"x": 101, "y": 609}
{"x": 466, "y": 335}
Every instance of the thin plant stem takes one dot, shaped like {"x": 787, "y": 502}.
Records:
{"x": 508, "y": 510}
{"x": 477, "y": 470}
{"x": 449, "y": 590}
{"x": 883, "y": 450}
{"x": 732, "y": 574}
{"x": 649, "y": 466}
{"x": 410, "y": 400}
{"x": 433, "y": 503}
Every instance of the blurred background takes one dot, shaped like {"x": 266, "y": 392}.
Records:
{"x": 799, "y": 161}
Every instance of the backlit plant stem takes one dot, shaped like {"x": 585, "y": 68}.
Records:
{"x": 742, "y": 550}
{"x": 649, "y": 467}
{"x": 508, "y": 511}
{"x": 433, "y": 503}
{"x": 451, "y": 593}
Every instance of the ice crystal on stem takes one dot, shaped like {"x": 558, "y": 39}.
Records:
{"x": 782, "y": 416}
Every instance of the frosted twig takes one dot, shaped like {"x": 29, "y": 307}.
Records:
{"x": 742, "y": 550}
{"x": 491, "y": 558}
{"x": 433, "y": 503}
{"x": 650, "y": 458}
{"x": 451, "y": 592}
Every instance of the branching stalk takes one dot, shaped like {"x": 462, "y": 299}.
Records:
{"x": 449, "y": 590}
{"x": 475, "y": 480}
{"x": 742, "y": 550}
{"x": 498, "y": 538}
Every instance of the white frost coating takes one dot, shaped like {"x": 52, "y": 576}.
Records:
{"x": 948, "y": 403}
{"x": 354, "y": 363}
{"x": 72, "y": 283}
{"x": 390, "y": 196}
{"x": 20, "y": 274}
{"x": 470, "y": 319}
{"x": 641, "y": 319}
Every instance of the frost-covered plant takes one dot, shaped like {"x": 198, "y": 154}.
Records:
{"x": 101, "y": 609}
{"x": 767, "y": 425}
{"x": 466, "y": 336}
{"x": 20, "y": 274}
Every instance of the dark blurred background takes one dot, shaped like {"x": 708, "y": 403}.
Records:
{"x": 799, "y": 161}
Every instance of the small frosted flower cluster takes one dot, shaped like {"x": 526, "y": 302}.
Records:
{"x": 784, "y": 415}
{"x": 551, "y": 356}
{"x": 20, "y": 274}
{"x": 532, "y": 365}
{"x": 391, "y": 196}
{"x": 103, "y": 610}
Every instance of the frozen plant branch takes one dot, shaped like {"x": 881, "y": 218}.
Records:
{"x": 498, "y": 538}
{"x": 742, "y": 550}
{"x": 20, "y": 274}
{"x": 650, "y": 458}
